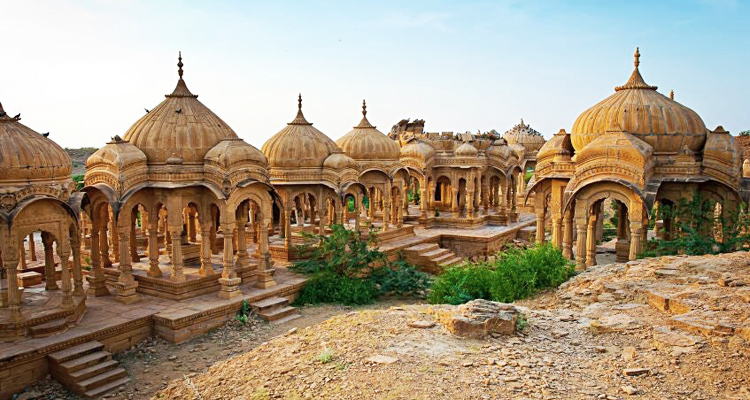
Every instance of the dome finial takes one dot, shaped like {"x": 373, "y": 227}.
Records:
{"x": 300, "y": 119}
{"x": 671, "y": 94}
{"x": 364, "y": 108}
{"x": 179, "y": 64}
{"x": 637, "y": 57}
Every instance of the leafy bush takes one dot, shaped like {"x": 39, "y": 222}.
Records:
{"x": 348, "y": 269}
{"x": 244, "y": 313}
{"x": 697, "y": 229}
{"x": 516, "y": 274}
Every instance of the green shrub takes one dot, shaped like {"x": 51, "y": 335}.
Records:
{"x": 515, "y": 274}
{"x": 696, "y": 230}
{"x": 348, "y": 269}
{"x": 243, "y": 314}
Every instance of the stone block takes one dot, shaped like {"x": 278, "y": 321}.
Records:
{"x": 480, "y": 318}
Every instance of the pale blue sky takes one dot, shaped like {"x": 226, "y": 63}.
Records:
{"x": 84, "y": 70}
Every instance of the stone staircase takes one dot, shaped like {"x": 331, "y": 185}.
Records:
{"x": 430, "y": 257}
{"x": 275, "y": 310}
{"x": 87, "y": 369}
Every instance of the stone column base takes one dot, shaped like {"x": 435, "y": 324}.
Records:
{"x": 126, "y": 292}
{"x": 622, "y": 250}
{"x": 513, "y": 216}
{"x": 97, "y": 286}
{"x": 265, "y": 279}
{"x": 154, "y": 271}
{"x": 230, "y": 288}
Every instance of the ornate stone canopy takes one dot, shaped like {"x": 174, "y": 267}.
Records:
{"x": 366, "y": 143}
{"x": 180, "y": 127}
{"x": 639, "y": 109}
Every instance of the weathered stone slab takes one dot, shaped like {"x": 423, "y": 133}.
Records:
{"x": 480, "y": 318}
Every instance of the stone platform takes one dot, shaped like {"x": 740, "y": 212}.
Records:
{"x": 119, "y": 326}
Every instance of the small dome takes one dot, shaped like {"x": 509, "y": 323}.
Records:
{"x": 466, "y": 150}
{"x": 525, "y": 135}
{"x": 179, "y": 127}
{"x": 499, "y": 150}
{"x": 230, "y": 152}
{"x": 639, "y": 109}
{"x": 26, "y": 155}
{"x": 365, "y": 143}
{"x": 338, "y": 161}
{"x": 298, "y": 145}
{"x": 117, "y": 153}
{"x": 419, "y": 150}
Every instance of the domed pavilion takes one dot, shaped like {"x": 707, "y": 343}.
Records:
{"x": 180, "y": 186}
{"x": 311, "y": 174}
{"x": 639, "y": 149}
{"x": 379, "y": 170}
{"x": 35, "y": 201}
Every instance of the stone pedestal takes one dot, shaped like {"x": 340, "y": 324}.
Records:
{"x": 622, "y": 250}
{"x": 513, "y": 216}
{"x": 97, "y": 286}
{"x": 126, "y": 292}
{"x": 230, "y": 288}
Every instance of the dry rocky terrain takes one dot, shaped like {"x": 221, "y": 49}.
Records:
{"x": 664, "y": 328}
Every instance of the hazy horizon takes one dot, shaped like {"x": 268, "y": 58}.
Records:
{"x": 85, "y": 70}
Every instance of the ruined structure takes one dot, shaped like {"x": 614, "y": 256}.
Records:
{"x": 641, "y": 149}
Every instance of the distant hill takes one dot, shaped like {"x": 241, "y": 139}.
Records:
{"x": 78, "y": 157}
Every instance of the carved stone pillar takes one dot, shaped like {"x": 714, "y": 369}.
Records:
{"x": 242, "y": 257}
{"x": 32, "y": 247}
{"x": 322, "y": 220}
{"x": 63, "y": 251}
{"x": 206, "y": 268}
{"x": 540, "y": 226}
{"x": 10, "y": 263}
{"x": 580, "y": 243}
{"x": 230, "y": 283}
{"x": 557, "y": 235}
{"x": 104, "y": 244}
{"x": 470, "y": 204}
{"x": 591, "y": 241}
{"x": 287, "y": 227}
{"x": 126, "y": 285}
{"x": 178, "y": 275}
{"x": 96, "y": 278}
{"x": 77, "y": 273}
{"x": 567, "y": 247}
{"x": 454, "y": 201}
{"x": 50, "y": 275}
{"x": 114, "y": 236}
{"x": 192, "y": 233}
{"x": 357, "y": 204}
{"x": 153, "y": 252}
{"x": 265, "y": 268}
{"x": 134, "y": 237}
{"x": 635, "y": 239}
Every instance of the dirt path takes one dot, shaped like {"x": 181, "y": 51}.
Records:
{"x": 155, "y": 362}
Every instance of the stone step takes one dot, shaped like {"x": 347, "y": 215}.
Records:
{"x": 101, "y": 380}
{"x": 442, "y": 258}
{"x": 101, "y": 390}
{"x": 75, "y": 351}
{"x": 93, "y": 370}
{"x": 48, "y": 328}
{"x": 85, "y": 361}
{"x": 277, "y": 313}
{"x": 423, "y": 247}
{"x": 269, "y": 303}
{"x": 452, "y": 261}
{"x": 436, "y": 253}
{"x": 286, "y": 319}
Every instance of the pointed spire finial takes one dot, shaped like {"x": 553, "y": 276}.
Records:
{"x": 179, "y": 64}
{"x": 364, "y": 108}
{"x": 299, "y": 102}
{"x": 637, "y": 57}
{"x": 671, "y": 94}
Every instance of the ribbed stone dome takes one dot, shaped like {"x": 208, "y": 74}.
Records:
{"x": 231, "y": 152}
{"x": 419, "y": 150}
{"x": 179, "y": 127}
{"x": 366, "y": 143}
{"x": 338, "y": 161}
{"x": 298, "y": 145}
{"x": 639, "y": 109}
{"x": 499, "y": 150}
{"x": 27, "y": 156}
{"x": 117, "y": 153}
{"x": 466, "y": 150}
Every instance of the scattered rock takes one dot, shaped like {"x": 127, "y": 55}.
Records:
{"x": 421, "y": 324}
{"x": 381, "y": 359}
{"x": 480, "y": 318}
{"x": 614, "y": 323}
{"x": 629, "y": 390}
{"x": 635, "y": 371}
{"x": 628, "y": 354}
